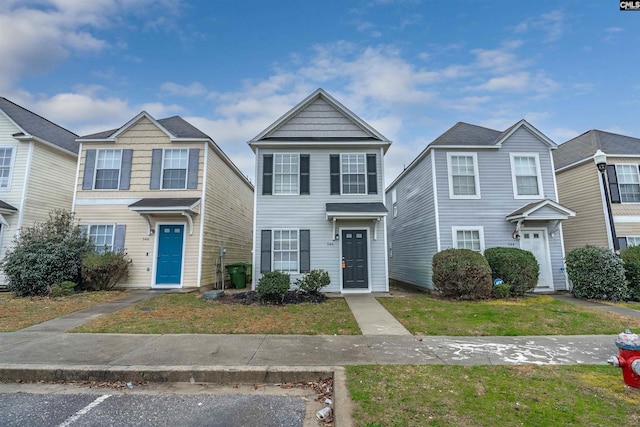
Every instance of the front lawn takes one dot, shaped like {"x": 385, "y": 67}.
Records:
{"x": 190, "y": 314}
{"x": 530, "y": 315}
{"x": 18, "y": 313}
{"x": 436, "y": 395}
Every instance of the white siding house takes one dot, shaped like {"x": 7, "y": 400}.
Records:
{"x": 319, "y": 197}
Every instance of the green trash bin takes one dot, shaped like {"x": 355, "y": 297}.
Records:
{"x": 237, "y": 273}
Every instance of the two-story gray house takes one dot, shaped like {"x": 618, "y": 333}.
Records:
{"x": 319, "y": 200}
{"x": 477, "y": 188}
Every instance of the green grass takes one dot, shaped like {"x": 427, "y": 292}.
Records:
{"x": 631, "y": 304}
{"x": 18, "y": 313}
{"x": 392, "y": 395}
{"x": 537, "y": 315}
{"x": 190, "y": 314}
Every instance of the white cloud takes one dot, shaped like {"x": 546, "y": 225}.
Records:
{"x": 552, "y": 24}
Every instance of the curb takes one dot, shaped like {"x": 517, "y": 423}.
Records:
{"x": 222, "y": 375}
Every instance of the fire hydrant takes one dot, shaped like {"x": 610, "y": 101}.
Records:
{"x": 629, "y": 358}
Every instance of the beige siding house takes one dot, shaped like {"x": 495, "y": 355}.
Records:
{"x": 37, "y": 170}
{"x": 584, "y": 189}
{"x": 165, "y": 193}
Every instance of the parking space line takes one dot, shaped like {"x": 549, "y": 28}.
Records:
{"x": 84, "y": 410}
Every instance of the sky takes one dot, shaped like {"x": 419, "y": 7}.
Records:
{"x": 409, "y": 68}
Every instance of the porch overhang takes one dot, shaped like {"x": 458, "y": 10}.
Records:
{"x": 543, "y": 210}
{"x": 356, "y": 211}
{"x": 6, "y": 209}
{"x": 152, "y": 207}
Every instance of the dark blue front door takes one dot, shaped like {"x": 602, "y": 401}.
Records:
{"x": 169, "y": 266}
{"x": 354, "y": 259}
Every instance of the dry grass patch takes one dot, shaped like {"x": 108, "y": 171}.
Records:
{"x": 18, "y": 313}
{"x": 436, "y": 395}
{"x": 530, "y": 315}
{"x": 190, "y": 314}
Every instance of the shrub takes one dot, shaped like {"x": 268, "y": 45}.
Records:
{"x": 102, "y": 271}
{"x": 517, "y": 267}
{"x": 631, "y": 262}
{"x": 313, "y": 281}
{"x": 273, "y": 286}
{"x": 596, "y": 273}
{"x": 501, "y": 291}
{"x": 61, "y": 289}
{"x": 47, "y": 253}
{"x": 462, "y": 274}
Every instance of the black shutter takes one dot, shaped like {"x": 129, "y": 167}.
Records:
{"x": 192, "y": 173}
{"x": 622, "y": 243}
{"x": 265, "y": 251}
{"x": 372, "y": 176}
{"x": 125, "y": 169}
{"x": 304, "y": 174}
{"x": 89, "y": 168}
{"x": 614, "y": 192}
{"x": 156, "y": 168}
{"x": 267, "y": 174}
{"x": 118, "y": 238}
{"x": 305, "y": 251}
{"x": 334, "y": 166}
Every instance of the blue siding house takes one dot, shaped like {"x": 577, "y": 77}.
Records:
{"x": 477, "y": 188}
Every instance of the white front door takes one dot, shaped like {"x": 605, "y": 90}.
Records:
{"x": 535, "y": 241}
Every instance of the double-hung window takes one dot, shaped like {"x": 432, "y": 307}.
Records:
{"x": 526, "y": 177}
{"x": 175, "y": 163}
{"x": 633, "y": 240}
{"x": 285, "y": 250}
{"x": 394, "y": 202}
{"x": 102, "y": 237}
{"x": 464, "y": 180}
{"x": 108, "y": 164}
{"x": 628, "y": 183}
{"x": 353, "y": 173}
{"x": 6, "y": 155}
{"x": 285, "y": 173}
{"x": 468, "y": 238}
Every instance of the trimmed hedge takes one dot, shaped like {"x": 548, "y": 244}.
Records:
{"x": 517, "y": 267}
{"x": 596, "y": 273}
{"x": 462, "y": 274}
{"x": 631, "y": 262}
{"x": 273, "y": 286}
{"x": 313, "y": 281}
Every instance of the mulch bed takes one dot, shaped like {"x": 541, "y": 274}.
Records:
{"x": 251, "y": 297}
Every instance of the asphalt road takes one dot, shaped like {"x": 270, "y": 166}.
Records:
{"x": 44, "y": 405}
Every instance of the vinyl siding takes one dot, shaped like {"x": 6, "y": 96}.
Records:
{"x": 140, "y": 246}
{"x": 228, "y": 219}
{"x": 412, "y": 234}
{"x": 309, "y": 212}
{"x": 579, "y": 190}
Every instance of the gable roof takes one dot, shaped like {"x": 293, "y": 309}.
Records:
{"x": 465, "y": 135}
{"x": 33, "y": 125}
{"x": 583, "y": 147}
{"x": 319, "y": 118}
{"x": 556, "y": 211}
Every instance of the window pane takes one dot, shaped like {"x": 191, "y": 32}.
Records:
{"x": 527, "y": 185}
{"x": 174, "y": 169}
{"x": 353, "y": 174}
{"x": 285, "y": 174}
{"x": 285, "y": 250}
{"x": 633, "y": 241}
{"x": 628, "y": 183}
{"x": 5, "y": 166}
{"x": 468, "y": 239}
{"x": 102, "y": 237}
{"x": 526, "y": 172}
{"x": 463, "y": 176}
{"x": 108, "y": 169}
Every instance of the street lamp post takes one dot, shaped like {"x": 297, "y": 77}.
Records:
{"x": 600, "y": 159}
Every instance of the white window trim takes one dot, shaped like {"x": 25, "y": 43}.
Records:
{"x": 273, "y": 191}
{"x": 476, "y": 174}
{"x": 479, "y": 229}
{"x": 394, "y": 203}
{"x": 618, "y": 184}
{"x": 13, "y": 159}
{"x": 95, "y": 170}
{"x": 113, "y": 234}
{"x": 366, "y": 180}
{"x": 186, "y": 177}
{"x": 273, "y": 242}
{"x": 514, "y": 182}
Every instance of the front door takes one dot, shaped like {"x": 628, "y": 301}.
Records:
{"x": 535, "y": 241}
{"x": 169, "y": 262}
{"x": 354, "y": 259}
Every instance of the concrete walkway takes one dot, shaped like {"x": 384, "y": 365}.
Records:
{"x": 372, "y": 317}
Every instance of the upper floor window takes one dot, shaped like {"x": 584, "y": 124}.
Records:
{"x": 285, "y": 250}
{"x": 468, "y": 238}
{"x": 6, "y": 155}
{"x": 464, "y": 180}
{"x": 175, "y": 163}
{"x": 394, "y": 202}
{"x": 102, "y": 237}
{"x": 285, "y": 174}
{"x": 108, "y": 163}
{"x": 628, "y": 183}
{"x": 526, "y": 177}
{"x": 353, "y": 174}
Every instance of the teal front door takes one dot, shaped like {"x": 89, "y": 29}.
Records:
{"x": 169, "y": 263}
